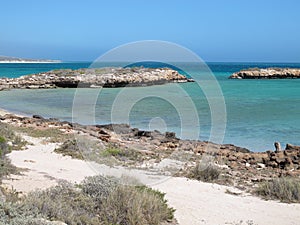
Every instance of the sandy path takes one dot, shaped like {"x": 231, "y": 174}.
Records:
{"x": 195, "y": 202}
{"x": 204, "y": 203}
{"x": 43, "y": 167}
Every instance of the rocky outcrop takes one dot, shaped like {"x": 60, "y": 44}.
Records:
{"x": 268, "y": 73}
{"x": 147, "y": 149}
{"x": 235, "y": 157}
{"x": 101, "y": 77}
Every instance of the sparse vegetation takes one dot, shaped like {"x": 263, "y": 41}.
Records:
{"x": 99, "y": 187}
{"x": 97, "y": 200}
{"x": 284, "y": 189}
{"x": 131, "y": 205}
{"x": 112, "y": 151}
{"x": 122, "y": 154}
{"x": 16, "y": 214}
{"x": 70, "y": 148}
{"x": 8, "y": 134}
{"x": 64, "y": 203}
{"x": 52, "y": 134}
{"x": 205, "y": 170}
{"x": 86, "y": 148}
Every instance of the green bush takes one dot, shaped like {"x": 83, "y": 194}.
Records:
{"x": 284, "y": 189}
{"x": 6, "y": 168}
{"x": 15, "y": 214}
{"x": 99, "y": 187}
{"x": 112, "y": 151}
{"x": 3, "y": 147}
{"x": 2, "y": 140}
{"x": 7, "y": 133}
{"x": 64, "y": 203}
{"x": 99, "y": 200}
{"x": 128, "y": 205}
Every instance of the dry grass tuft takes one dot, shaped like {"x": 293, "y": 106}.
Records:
{"x": 205, "y": 170}
{"x": 284, "y": 189}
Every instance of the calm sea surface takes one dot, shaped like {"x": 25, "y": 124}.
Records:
{"x": 259, "y": 112}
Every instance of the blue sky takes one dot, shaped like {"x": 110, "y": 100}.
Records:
{"x": 217, "y": 30}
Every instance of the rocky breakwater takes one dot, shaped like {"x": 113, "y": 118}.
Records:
{"x": 268, "y": 73}
{"x": 101, "y": 77}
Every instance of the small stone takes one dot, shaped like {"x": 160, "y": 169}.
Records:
{"x": 277, "y": 147}
{"x": 261, "y": 165}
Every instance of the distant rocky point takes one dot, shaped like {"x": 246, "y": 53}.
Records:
{"x": 7, "y": 59}
{"x": 268, "y": 73}
{"x": 100, "y": 77}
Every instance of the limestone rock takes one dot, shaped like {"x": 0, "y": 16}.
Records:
{"x": 268, "y": 73}
{"x": 110, "y": 77}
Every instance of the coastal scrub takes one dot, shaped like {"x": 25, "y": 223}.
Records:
{"x": 285, "y": 189}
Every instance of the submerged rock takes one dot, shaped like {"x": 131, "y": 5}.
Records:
{"x": 268, "y": 73}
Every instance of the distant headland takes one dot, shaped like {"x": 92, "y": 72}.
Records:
{"x": 8, "y": 59}
{"x": 268, "y": 73}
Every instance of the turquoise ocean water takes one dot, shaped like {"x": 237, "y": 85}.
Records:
{"x": 259, "y": 112}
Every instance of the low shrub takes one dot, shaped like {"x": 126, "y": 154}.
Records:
{"x": 3, "y": 147}
{"x": 284, "y": 189}
{"x": 64, "y": 203}
{"x": 121, "y": 154}
{"x": 14, "y": 214}
{"x": 6, "y": 168}
{"x": 205, "y": 171}
{"x": 112, "y": 151}
{"x": 128, "y": 205}
{"x": 70, "y": 148}
{"x": 97, "y": 200}
{"x": 7, "y": 133}
{"x": 99, "y": 187}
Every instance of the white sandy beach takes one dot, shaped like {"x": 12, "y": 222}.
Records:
{"x": 195, "y": 202}
{"x": 3, "y": 112}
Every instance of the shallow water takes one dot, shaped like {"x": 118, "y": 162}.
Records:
{"x": 259, "y": 112}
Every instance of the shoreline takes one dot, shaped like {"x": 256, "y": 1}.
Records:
{"x": 279, "y": 162}
{"x": 196, "y": 202}
{"x": 3, "y": 112}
